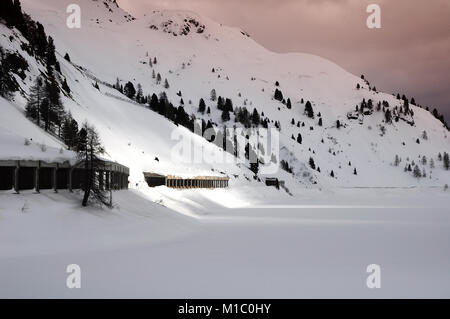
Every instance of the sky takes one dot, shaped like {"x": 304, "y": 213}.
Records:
{"x": 409, "y": 54}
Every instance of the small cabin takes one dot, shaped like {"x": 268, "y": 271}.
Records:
{"x": 273, "y": 182}
{"x": 155, "y": 180}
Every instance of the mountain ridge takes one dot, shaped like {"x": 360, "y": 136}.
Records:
{"x": 249, "y": 75}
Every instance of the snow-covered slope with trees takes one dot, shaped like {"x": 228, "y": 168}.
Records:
{"x": 193, "y": 56}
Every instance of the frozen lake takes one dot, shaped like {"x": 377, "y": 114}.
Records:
{"x": 304, "y": 250}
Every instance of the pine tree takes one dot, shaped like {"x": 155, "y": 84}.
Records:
{"x": 213, "y": 95}
{"x": 289, "y": 104}
{"x": 312, "y": 164}
{"x": 332, "y": 174}
{"x": 158, "y": 79}
{"x": 166, "y": 84}
{"x": 225, "y": 115}
{"x": 255, "y": 117}
{"x": 309, "y": 110}
{"x": 154, "y": 103}
{"x": 320, "y": 122}
{"x": 36, "y": 98}
{"x": 5, "y": 79}
{"x": 129, "y": 90}
{"x": 424, "y": 160}
{"x": 417, "y": 173}
{"x": 355, "y": 172}
{"x": 89, "y": 151}
{"x": 55, "y": 109}
{"x": 67, "y": 57}
{"x": 446, "y": 161}
{"x": 139, "y": 93}
{"x": 220, "y": 103}
{"x": 65, "y": 86}
{"x": 406, "y": 106}
{"x": 70, "y": 132}
{"x": 388, "y": 116}
{"x": 228, "y": 105}
{"x": 201, "y": 106}
{"x": 397, "y": 160}
{"x": 278, "y": 95}
{"x": 50, "y": 56}
{"x": 299, "y": 139}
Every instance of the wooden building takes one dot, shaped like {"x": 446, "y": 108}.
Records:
{"x": 154, "y": 180}
{"x": 39, "y": 175}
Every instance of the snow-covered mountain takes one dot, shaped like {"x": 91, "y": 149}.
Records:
{"x": 197, "y": 55}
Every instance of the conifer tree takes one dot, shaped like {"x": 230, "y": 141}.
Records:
{"x": 278, "y": 95}
{"x": 65, "y": 86}
{"x": 228, "y": 105}
{"x": 36, "y": 99}
{"x": 213, "y": 95}
{"x": 309, "y": 110}
{"x": 312, "y": 164}
{"x": 255, "y": 117}
{"x": 417, "y": 173}
{"x": 139, "y": 93}
{"x": 220, "y": 103}
{"x": 129, "y": 90}
{"x": 201, "y": 106}
{"x": 446, "y": 161}
{"x": 225, "y": 115}
{"x": 70, "y": 132}
{"x": 154, "y": 103}
{"x": 89, "y": 151}
{"x": 388, "y": 116}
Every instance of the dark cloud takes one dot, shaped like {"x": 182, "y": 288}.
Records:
{"x": 409, "y": 54}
